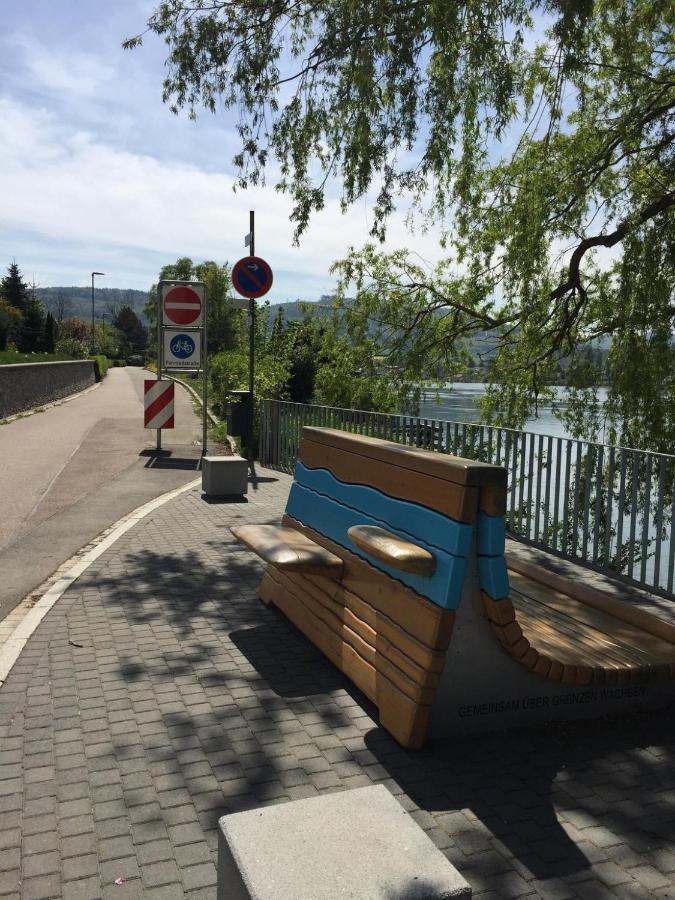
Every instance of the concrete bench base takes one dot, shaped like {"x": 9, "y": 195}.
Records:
{"x": 358, "y": 844}
{"x": 224, "y": 476}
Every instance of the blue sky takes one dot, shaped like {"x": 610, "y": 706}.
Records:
{"x": 96, "y": 173}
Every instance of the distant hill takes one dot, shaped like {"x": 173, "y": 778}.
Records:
{"x": 66, "y": 302}
{"x": 294, "y": 309}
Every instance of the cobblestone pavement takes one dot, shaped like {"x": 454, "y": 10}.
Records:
{"x": 159, "y": 694}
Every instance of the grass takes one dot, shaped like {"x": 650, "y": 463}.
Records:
{"x": 8, "y": 357}
{"x": 197, "y": 384}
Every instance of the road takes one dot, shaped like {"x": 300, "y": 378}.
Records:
{"x": 71, "y": 471}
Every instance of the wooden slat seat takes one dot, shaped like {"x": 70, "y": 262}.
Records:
{"x": 559, "y": 636}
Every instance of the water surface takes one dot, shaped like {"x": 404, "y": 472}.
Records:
{"x": 457, "y": 402}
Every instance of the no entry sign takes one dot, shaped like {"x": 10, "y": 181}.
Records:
{"x": 183, "y": 304}
{"x": 158, "y": 403}
{"x": 252, "y": 277}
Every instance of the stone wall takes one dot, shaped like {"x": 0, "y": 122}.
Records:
{"x": 27, "y": 385}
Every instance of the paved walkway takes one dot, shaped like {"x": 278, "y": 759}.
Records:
{"x": 159, "y": 694}
{"x": 71, "y": 471}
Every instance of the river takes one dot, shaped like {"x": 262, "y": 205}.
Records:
{"x": 457, "y": 402}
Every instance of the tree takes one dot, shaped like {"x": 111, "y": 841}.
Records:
{"x": 226, "y": 326}
{"x": 63, "y": 306}
{"x": 49, "y": 340}
{"x": 31, "y": 331}
{"x": 10, "y": 317}
{"x": 13, "y": 288}
{"x": 544, "y": 161}
{"x": 135, "y": 332}
{"x": 74, "y": 338}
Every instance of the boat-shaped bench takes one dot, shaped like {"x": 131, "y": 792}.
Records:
{"x": 391, "y": 559}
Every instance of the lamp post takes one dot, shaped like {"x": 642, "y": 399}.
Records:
{"x": 93, "y": 333}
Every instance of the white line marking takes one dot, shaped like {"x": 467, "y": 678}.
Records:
{"x": 18, "y": 638}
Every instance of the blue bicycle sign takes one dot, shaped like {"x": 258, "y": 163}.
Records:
{"x": 182, "y": 346}
{"x": 182, "y": 350}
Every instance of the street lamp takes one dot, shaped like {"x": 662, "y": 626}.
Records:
{"x": 93, "y": 333}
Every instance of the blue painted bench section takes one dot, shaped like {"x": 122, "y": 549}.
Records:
{"x": 490, "y": 544}
{"x": 321, "y": 502}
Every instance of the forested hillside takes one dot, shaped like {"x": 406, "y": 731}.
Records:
{"x": 69, "y": 302}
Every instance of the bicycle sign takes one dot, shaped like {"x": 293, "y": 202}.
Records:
{"x": 182, "y": 346}
{"x": 182, "y": 349}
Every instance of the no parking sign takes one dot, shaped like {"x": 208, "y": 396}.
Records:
{"x": 252, "y": 276}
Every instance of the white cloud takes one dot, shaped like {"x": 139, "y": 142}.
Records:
{"x": 79, "y": 74}
{"x": 72, "y": 187}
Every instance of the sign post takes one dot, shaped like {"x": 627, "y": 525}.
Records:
{"x": 181, "y": 337}
{"x": 252, "y": 277}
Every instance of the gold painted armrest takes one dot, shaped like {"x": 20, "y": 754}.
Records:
{"x": 394, "y": 551}
{"x": 289, "y": 550}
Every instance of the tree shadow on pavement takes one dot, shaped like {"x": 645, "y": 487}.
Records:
{"x": 557, "y": 799}
{"x": 257, "y": 715}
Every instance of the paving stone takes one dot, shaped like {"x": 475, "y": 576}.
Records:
{"x": 166, "y": 892}
{"x": 85, "y": 889}
{"x": 198, "y": 876}
{"x": 154, "y": 851}
{"x": 115, "y": 848}
{"x": 121, "y": 867}
{"x": 80, "y": 867}
{"x": 203, "y": 728}
{"x": 41, "y": 863}
{"x": 160, "y": 873}
{"x": 41, "y": 887}
{"x": 650, "y": 877}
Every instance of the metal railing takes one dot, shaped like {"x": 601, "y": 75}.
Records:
{"x": 609, "y": 507}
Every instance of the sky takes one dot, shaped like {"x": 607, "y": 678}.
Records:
{"x": 96, "y": 173}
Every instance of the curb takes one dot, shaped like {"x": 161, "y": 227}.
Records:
{"x": 31, "y": 611}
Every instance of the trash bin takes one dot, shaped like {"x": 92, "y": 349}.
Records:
{"x": 238, "y": 416}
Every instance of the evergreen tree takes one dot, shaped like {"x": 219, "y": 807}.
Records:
{"x": 50, "y": 333}
{"x": 126, "y": 320}
{"x": 32, "y": 328}
{"x": 10, "y": 317}
{"x": 13, "y": 288}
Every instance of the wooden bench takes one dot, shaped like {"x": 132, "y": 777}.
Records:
{"x": 392, "y": 561}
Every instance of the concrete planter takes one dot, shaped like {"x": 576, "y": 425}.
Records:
{"x": 224, "y": 476}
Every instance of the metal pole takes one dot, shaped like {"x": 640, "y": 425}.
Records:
{"x": 93, "y": 341}
{"x": 159, "y": 349}
{"x": 205, "y": 375}
{"x": 93, "y": 333}
{"x": 251, "y": 348}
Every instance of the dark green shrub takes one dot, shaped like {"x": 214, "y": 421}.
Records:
{"x": 101, "y": 365}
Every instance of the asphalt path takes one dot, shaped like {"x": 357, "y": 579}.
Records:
{"x": 69, "y": 472}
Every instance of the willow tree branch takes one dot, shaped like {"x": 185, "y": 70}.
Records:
{"x": 573, "y": 280}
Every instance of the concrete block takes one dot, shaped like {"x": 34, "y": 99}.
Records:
{"x": 224, "y": 476}
{"x": 358, "y": 844}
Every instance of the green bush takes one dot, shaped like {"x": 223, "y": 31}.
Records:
{"x": 101, "y": 366}
{"x": 119, "y": 363}
{"x": 72, "y": 347}
{"x": 228, "y": 371}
